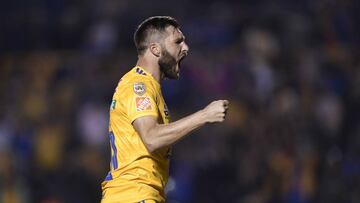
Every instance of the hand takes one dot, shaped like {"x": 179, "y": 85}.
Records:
{"x": 216, "y": 111}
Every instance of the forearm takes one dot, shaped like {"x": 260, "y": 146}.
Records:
{"x": 156, "y": 136}
{"x": 167, "y": 134}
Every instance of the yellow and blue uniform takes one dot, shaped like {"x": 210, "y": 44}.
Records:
{"x": 135, "y": 174}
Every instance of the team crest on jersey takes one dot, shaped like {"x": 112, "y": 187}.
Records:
{"x": 143, "y": 104}
{"x": 139, "y": 88}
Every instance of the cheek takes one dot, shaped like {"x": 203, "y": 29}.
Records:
{"x": 174, "y": 50}
{"x": 172, "y": 53}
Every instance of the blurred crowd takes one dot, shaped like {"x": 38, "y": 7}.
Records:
{"x": 290, "y": 69}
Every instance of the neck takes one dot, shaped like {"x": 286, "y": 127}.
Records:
{"x": 150, "y": 66}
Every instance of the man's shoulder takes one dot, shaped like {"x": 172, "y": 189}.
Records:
{"x": 135, "y": 74}
{"x": 135, "y": 81}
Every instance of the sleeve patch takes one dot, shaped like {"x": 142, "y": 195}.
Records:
{"x": 139, "y": 88}
{"x": 143, "y": 104}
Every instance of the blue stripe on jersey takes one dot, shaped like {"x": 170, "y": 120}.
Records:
{"x": 108, "y": 177}
{"x": 113, "y": 146}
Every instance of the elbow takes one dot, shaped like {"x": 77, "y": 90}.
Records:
{"x": 151, "y": 139}
{"x": 150, "y": 148}
{"x": 150, "y": 145}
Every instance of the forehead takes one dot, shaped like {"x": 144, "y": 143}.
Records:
{"x": 173, "y": 33}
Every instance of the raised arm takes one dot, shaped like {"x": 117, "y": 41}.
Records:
{"x": 156, "y": 136}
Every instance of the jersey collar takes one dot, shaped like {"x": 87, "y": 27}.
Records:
{"x": 142, "y": 71}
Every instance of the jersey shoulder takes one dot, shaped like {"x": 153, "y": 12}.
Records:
{"x": 136, "y": 83}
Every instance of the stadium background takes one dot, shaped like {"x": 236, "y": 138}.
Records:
{"x": 290, "y": 69}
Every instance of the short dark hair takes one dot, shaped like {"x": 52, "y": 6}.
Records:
{"x": 150, "y": 26}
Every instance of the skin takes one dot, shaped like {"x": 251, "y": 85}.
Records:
{"x": 166, "y": 54}
{"x": 174, "y": 49}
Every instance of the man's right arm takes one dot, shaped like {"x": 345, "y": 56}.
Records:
{"x": 156, "y": 136}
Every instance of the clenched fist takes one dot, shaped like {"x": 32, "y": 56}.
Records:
{"x": 216, "y": 111}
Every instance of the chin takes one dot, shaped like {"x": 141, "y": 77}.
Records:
{"x": 177, "y": 73}
{"x": 173, "y": 73}
{"x": 177, "y": 76}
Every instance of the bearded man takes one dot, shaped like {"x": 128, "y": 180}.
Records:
{"x": 140, "y": 131}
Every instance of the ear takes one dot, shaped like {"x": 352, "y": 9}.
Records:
{"x": 155, "y": 49}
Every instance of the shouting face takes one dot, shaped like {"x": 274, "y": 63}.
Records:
{"x": 174, "y": 49}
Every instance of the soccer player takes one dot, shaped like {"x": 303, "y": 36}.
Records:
{"x": 140, "y": 130}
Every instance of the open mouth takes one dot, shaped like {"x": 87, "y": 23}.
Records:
{"x": 179, "y": 62}
{"x": 182, "y": 58}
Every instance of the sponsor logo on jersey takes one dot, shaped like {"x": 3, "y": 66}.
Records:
{"x": 139, "y": 88}
{"x": 143, "y": 104}
{"x": 113, "y": 104}
{"x": 166, "y": 110}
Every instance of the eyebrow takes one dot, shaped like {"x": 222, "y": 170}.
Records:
{"x": 182, "y": 38}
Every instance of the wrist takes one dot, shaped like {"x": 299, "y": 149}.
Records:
{"x": 202, "y": 116}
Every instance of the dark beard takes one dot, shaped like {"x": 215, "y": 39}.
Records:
{"x": 167, "y": 65}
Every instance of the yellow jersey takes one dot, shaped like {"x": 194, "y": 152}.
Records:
{"x": 135, "y": 174}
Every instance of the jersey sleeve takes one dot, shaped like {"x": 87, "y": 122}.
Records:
{"x": 140, "y": 100}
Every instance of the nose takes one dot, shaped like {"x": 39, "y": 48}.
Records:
{"x": 185, "y": 49}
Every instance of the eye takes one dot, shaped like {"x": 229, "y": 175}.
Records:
{"x": 179, "y": 40}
